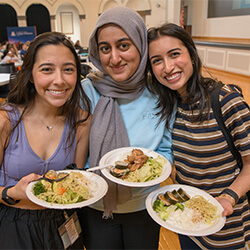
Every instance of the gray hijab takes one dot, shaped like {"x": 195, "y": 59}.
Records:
{"x": 108, "y": 130}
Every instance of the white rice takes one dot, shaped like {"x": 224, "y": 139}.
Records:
{"x": 184, "y": 219}
{"x": 92, "y": 188}
{"x": 90, "y": 185}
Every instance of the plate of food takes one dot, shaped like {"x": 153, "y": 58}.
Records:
{"x": 78, "y": 189}
{"x": 185, "y": 210}
{"x": 135, "y": 167}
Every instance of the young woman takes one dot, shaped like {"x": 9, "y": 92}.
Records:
{"x": 42, "y": 127}
{"x": 123, "y": 115}
{"x": 201, "y": 153}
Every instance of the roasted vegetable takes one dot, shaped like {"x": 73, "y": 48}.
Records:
{"x": 118, "y": 172}
{"x": 183, "y": 194}
{"x": 164, "y": 205}
{"x": 177, "y": 196}
{"x": 170, "y": 198}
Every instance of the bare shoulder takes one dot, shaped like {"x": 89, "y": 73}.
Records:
{"x": 5, "y": 123}
{"x": 83, "y": 115}
{"x": 83, "y": 127}
{"x": 82, "y": 132}
{"x": 5, "y": 127}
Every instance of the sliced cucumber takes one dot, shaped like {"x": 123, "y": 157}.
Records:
{"x": 55, "y": 186}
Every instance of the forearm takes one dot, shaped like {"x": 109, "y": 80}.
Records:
{"x": 237, "y": 189}
{"x": 241, "y": 184}
{"x": 18, "y": 191}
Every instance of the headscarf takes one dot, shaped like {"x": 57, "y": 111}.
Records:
{"x": 108, "y": 130}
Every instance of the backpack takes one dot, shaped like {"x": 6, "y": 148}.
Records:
{"x": 215, "y": 103}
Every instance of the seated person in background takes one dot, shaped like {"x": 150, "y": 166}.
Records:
{"x": 13, "y": 45}
{"x": 69, "y": 38}
{"x": 28, "y": 44}
{"x": 23, "y": 50}
{"x": 19, "y": 45}
{"x": 4, "y": 44}
{"x": 42, "y": 127}
{"x": 77, "y": 45}
{"x": 6, "y": 48}
{"x": 11, "y": 56}
{"x": 1, "y": 51}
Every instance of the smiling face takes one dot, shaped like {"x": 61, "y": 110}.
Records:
{"x": 54, "y": 75}
{"x": 171, "y": 63}
{"x": 118, "y": 55}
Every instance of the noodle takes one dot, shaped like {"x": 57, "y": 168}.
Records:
{"x": 74, "y": 188}
{"x": 206, "y": 209}
{"x": 151, "y": 170}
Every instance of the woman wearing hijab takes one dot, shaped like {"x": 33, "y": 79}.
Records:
{"x": 123, "y": 115}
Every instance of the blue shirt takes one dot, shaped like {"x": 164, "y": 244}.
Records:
{"x": 141, "y": 124}
{"x": 22, "y": 52}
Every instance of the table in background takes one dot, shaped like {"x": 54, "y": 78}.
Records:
{"x": 84, "y": 58}
{"x": 4, "y": 79}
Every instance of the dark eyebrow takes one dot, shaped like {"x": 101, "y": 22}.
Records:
{"x": 152, "y": 57}
{"x": 173, "y": 50}
{"x": 51, "y": 64}
{"x": 166, "y": 53}
{"x": 69, "y": 63}
{"x": 45, "y": 64}
{"x": 118, "y": 41}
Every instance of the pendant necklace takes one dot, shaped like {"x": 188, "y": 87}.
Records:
{"x": 47, "y": 126}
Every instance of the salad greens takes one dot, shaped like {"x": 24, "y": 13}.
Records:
{"x": 151, "y": 170}
{"x": 164, "y": 210}
{"x": 68, "y": 197}
{"x": 39, "y": 188}
{"x": 74, "y": 188}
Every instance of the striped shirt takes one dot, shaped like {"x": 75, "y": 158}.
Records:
{"x": 203, "y": 160}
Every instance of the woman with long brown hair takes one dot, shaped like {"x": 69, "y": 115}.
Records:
{"x": 42, "y": 127}
{"x": 201, "y": 153}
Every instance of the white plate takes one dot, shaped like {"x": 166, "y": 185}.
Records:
{"x": 101, "y": 190}
{"x": 121, "y": 153}
{"x": 207, "y": 230}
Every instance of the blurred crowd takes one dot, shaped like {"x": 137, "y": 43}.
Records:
{"x": 10, "y": 52}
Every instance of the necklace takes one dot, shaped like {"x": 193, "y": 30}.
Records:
{"x": 47, "y": 126}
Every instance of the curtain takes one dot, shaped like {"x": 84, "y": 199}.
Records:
{"x": 37, "y": 15}
{"x": 8, "y": 18}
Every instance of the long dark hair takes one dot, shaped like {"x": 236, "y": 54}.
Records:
{"x": 198, "y": 87}
{"x": 23, "y": 92}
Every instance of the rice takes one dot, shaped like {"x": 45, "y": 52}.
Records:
{"x": 90, "y": 185}
{"x": 92, "y": 188}
{"x": 187, "y": 219}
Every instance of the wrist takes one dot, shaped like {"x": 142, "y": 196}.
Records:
{"x": 7, "y": 198}
{"x": 229, "y": 198}
{"x": 11, "y": 192}
{"x": 230, "y": 195}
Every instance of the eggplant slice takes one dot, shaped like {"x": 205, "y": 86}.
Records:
{"x": 183, "y": 194}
